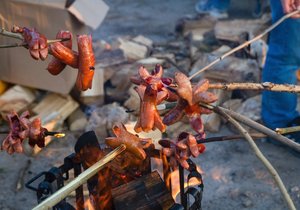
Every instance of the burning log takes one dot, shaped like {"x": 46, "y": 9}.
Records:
{"x": 79, "y": 180}
{"x": 148, "y": 192}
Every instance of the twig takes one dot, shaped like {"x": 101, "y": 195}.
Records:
{"x": 288, "y": 130}
{"x": 246, "y": 43}
{"x": 227, "y": 138}
{"x": 282, "y": 139}
{"x": 251, "y": 86}
{"x": 20, "y": 181}
{"x": 25, "y": 45}
{"x": 257, "y": 86}
{"x": 260, "y": 156}
{"x": 11, "y": 34}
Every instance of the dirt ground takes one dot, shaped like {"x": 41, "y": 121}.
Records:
{"x": 233, "y": 176}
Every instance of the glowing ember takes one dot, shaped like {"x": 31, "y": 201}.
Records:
{"x": 59, "y": 135}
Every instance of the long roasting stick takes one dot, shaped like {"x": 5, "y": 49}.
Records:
{"x": 247, "y": 43}
{"x": 80, "y": 180}
{"x": 261, "y": 157}
{"x": 256, "y": 86}
{"x": 20, "y": 37}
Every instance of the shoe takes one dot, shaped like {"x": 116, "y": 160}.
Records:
{"x": 203, "y": 7}
{"x": 218, "y": 14}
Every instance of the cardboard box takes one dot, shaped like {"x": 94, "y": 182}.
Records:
{"x": 48, "y": 16}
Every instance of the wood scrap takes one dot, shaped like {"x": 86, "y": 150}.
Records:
{"x": 150, "y": 62}
{"x": 231, "y": 30}
{"x": 133, "y": 50}
{"x": 212, "y": 122}
{"x": 140, "y": 39}
{"x": 53, "y": 110}
{"x": 96, "y": 94}
{"x": 120, "y": 83}
{"x": 20, "y": 181}
{"x": 103, "y": 118}
{"x": 145, "y": 193}
{"x": 77, "y": 121}
{"x": 16, "y": 98}
{"x": 231, "y": 69}
{"x": 133, "y": 101}
{"x": 189, "y": 25}
{"x": 110, "y": 57}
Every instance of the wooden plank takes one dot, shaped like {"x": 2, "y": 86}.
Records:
{"x": 53, "y": 111}
{"x": 147, "y": 193}
{"x": 16, "y": 98}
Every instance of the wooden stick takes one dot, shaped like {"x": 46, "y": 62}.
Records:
{"x": 79, "y": 180}
{"x": 244, "y": 120}
{"x": 288, "y": 130}
{"x": 227, "y": 138}
{"x": 252, "y": 86}
{"x": 25, "y": 45}
{"x": 11, "y": 34}
{"x": 261, "y": 157}
{"x": 257, "y": 86}
{"x": 246, "y": 43}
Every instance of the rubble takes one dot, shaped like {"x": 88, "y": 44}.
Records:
{"x": 102, "y": 119}
{"x": 233, "y": 30}
{"x": 133, "y": 50}
{"x": 231, "y": 69}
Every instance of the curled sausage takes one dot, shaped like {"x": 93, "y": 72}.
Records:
{"x": 86, "y": 62}
{"x": 56, "y": 66}
{"x": 64, "y": 54}
{"x": 134, "y": 144}
{"x": 36, "y": 42}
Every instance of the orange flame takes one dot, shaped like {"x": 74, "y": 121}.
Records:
{"x": 176, "y": 186}
{"x": 88, "y": 205}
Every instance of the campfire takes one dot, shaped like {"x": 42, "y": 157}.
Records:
{"x": 108, "y": 188}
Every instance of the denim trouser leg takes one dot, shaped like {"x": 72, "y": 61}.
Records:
{"x": 283, "y": 59}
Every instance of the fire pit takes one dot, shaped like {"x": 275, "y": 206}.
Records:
{"x": 114, "y": 187}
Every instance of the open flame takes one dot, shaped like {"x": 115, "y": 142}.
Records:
{"x": 59, "y": 135}
{"x": 176, "y": 186}
{"x": 88, "y": 205}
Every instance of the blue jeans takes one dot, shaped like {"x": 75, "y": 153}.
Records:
{"x": 283, "y": 59}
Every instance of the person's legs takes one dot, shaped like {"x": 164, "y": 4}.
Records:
{"x": 283, "y": 59}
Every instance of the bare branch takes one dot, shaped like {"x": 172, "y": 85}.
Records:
{"x": 11, "y": 34}
{"x": 256, "y": 126}
{"x": 288, "y": 130}
{"x": 257, "y": 86}
{"x": 25, "y": 45}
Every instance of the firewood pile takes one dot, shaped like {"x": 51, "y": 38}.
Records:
{"x": 199, "y": 42}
